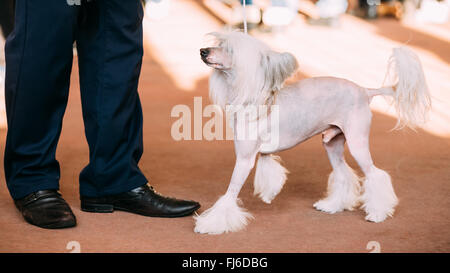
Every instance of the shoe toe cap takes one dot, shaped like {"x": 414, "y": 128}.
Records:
{"x": 185, "y": 207}
{"x": 51, "y": 216}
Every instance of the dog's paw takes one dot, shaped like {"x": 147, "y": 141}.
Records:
{"x": 225, "y": 216}
{"x": 203, "y": 227}
{"x": 328, "y": 205}
{"x": 378, "y": 212}
{"x": 379, "y": 216}
{"x": 379, "y": 199}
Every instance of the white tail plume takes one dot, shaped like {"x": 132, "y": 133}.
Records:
{"x": 410, "y": 92}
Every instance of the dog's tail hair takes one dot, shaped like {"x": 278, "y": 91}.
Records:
{"x": 270, "y": 177}
{"x": 411, "y": 97}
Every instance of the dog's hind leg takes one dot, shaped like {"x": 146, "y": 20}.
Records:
{"x": 226, "y": 215}
{"x": 343, "y": 184}
{"x": 379, "y": 199}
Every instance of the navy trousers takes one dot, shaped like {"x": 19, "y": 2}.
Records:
{"x": 39, "y": 55}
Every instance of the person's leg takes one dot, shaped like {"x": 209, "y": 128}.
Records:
{"x": 110, "y": 51}
{"x": 38, "y": 64}
{"x": 110, "y": 55}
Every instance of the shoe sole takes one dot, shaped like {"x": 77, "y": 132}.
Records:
{"x": 108, "y": 208}
{"x": 56, "y": 225}
{"x": 71, "y": 225}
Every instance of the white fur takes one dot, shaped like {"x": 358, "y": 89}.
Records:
{"x": 247, "y": 72}
{"x": 257, "y": 71}
{"x": 379, "y": 199}
{"x": 411, "y": 97}
{"x": 224, "y": 216}
{"x": 343, "y": 191}
{"x": 343, "y": 183}
{"x": 270, "y": 177}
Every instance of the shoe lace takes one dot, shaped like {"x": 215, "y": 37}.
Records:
{"x": 159, "y": 194}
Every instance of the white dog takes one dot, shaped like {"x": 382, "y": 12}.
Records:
{"x": 248, "y": 73}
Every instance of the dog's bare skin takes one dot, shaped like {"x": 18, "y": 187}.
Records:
{"x": 317, "y": 105}
{"x": 337, "y": 108}
{"x": 305, "y": 113}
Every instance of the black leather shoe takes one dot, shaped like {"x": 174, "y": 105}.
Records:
{"x": 46, "y": 209}
{"x": 142, "y": 200}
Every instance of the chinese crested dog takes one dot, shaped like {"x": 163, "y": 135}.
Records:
{"x": 248, "y": 73}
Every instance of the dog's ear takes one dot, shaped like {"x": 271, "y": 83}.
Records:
{"x": 278, "y": 67}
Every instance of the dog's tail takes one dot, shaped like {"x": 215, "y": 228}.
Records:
{"x": 270, "y": 177}
{"x": 411, "y": 97}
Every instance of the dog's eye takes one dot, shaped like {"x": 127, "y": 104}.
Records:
{"x": 225, "y": 46}
{"x": 222, "y": 44}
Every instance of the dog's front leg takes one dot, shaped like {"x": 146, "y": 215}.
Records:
{"x": 226, "y": 215}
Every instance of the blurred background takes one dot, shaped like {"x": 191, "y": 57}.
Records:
{"x": 343, "y": 38}
{"x": 352, "y": 39}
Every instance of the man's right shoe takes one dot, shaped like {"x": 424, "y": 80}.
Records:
{"x": 46, "y": 209}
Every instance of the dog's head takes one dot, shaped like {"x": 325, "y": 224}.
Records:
{"x": 247, "y": 71}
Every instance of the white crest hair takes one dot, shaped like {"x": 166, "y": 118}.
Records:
{"x": 257, "y": 72}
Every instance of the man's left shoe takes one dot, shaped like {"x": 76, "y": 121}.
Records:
{"x": 142, "y": 200}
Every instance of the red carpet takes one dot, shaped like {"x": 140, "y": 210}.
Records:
{"x": 200, "y": 170}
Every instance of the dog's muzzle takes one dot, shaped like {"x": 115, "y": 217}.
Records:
{"x": 204, "y": 52}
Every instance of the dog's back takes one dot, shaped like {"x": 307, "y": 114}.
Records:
{"x": 321, "y": 100}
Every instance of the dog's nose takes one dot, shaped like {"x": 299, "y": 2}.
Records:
{"x": 204, "y": 52}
